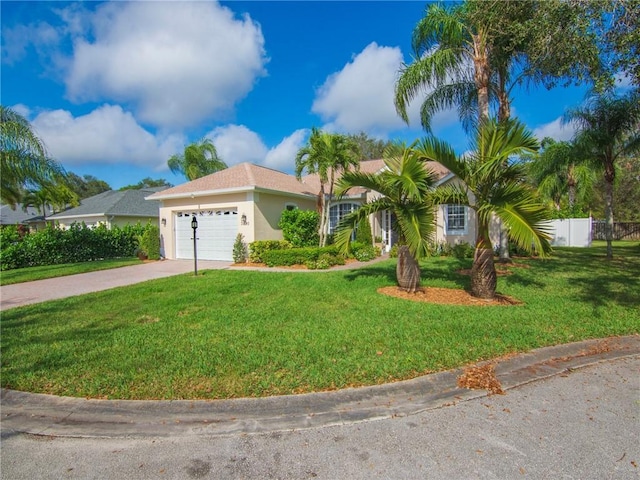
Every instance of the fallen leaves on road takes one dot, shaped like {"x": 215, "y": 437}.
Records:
{"x": 481, "y": 377}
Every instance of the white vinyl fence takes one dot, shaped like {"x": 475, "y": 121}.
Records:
{"x": 571, "y": 232}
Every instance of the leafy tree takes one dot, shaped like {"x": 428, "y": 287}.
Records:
{"x": 86, "y": 186}
{"x": 370, "y": 148}
{"x": 451, "y": 63}
{"x": 24, "y": 159}
{"x": 147, "y": 182}
{"x": 493, "y": 184}
{"x": 198, "y": 160}
{"x": 405, "y": 186}
{"x": 57, "y": 197}
{"x": 562, "y": 170}
{"x": 326, "y": 154}
{"x": 609, "y": 127}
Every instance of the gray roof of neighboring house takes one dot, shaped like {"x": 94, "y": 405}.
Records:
{"x": 17, "y": 216}
{"x": 118, "y": 203}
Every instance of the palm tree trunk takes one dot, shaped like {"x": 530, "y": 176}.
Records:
{"x": 482, "y": 74}
{"x": 407, "y": 270}
{"x": 323, "y": 227}
{"x": 609, "y": 177}
{"x": 483, "y": 272}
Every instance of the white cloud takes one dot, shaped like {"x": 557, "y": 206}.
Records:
{"x": 177, "y": 63}
{"x": 282, "y": 156}
{"x": 106, "y": 135}
{"x": 236, "y": 144}
{"x": 556, "y": 130}
{"x": 16, "y": 40}
{"x": 360, "y": 97}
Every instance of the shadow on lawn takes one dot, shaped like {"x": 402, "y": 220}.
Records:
{"x": 31, "y": 324}
{"x": 598, "y": 281}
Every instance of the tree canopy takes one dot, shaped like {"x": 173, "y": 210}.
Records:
{"x": 198, "y": 160}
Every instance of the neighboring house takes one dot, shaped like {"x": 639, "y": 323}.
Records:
{"x": 249, "y": 199}
{"x": 30, "y": 216}
{"x": 114, "y": 207}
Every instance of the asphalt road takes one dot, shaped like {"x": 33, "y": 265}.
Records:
{"x": 581, "y": 424}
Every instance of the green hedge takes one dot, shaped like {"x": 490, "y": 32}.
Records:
{"x": 79, "y": 243}
{"x": 296, "y": 256}
{"x": 258, "y": 248}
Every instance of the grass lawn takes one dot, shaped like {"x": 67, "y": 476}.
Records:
{"x": 20, "y": 275}
{"x": 230, "y": 333}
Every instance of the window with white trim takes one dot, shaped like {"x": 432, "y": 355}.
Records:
{"x": 456, "y": 219}
{"x": 338, "y": 212}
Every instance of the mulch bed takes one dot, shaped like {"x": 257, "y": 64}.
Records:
{"x": 447, "y": 296}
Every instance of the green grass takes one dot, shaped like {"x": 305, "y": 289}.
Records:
{"x": 229, "y": 333}
{"x": 20, "y": 275}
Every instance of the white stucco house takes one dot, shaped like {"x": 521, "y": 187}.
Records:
{"x": 249, "y": 199}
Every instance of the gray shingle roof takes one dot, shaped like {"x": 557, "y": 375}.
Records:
{"x": 119, "y": 203}
{"x": 9, "y": 216}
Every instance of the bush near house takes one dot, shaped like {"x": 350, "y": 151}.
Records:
{"x": 259, "y": 247}
{"x": 297, "y": 256}
{"x": 300, "y": 227}
{"x": 363, "y": 232}
{"x": 79, "y": 243}
{"x": 240, "y": 249}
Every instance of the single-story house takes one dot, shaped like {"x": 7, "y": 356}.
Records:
{"x": 30, "y": 217}
{"x": 113, "y": 207}
{"x": 249, "y": 199}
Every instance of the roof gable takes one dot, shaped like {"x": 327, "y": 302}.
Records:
{"x": 244, "y": 176}
{"x": 119, "y": 203}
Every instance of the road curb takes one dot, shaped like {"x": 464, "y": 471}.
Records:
{"x": 75, "y": 417}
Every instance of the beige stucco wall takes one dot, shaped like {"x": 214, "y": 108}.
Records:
{"x": 267, "y": 209}
{"x": 262, "y": 211}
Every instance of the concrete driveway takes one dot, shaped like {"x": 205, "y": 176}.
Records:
{"x": 12, "y": 296}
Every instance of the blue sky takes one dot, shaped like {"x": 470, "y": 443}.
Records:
{"x": 115, "y": 88}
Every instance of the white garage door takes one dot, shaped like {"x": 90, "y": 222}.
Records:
{"x": 216, "y": 233}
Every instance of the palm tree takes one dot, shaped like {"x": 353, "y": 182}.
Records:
{"x": 493, "y": 185}
{"x": 561, "y": 170}
{"x": 198, "y": 160}
{"x": 609, "y": 127}
{"x": 451, "y": 59}
{"x": 326, "y": 154}
{"x": 405, "y": 186}
{"x": 24, "y": 159}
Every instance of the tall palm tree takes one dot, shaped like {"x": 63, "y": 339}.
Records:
{"x": 326, "y": 154}
{"x": 24, "y": 159}
{"x": 493, "y": 185}
{"x": 562, "y": 170}
{"x": 198, "y": 160}
{"x": 452, "y": 60}
{"x": 405, "y": 186}
{"x": 609, "y": 127}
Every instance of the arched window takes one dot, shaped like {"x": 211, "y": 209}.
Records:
{"x": 337, "y": 212}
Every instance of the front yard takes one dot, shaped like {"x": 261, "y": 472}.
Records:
{"x": 229, "y": 333}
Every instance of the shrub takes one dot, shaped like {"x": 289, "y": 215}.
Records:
{"x": 239, "y": 249}
{"x": 296, "y": 256}
{"x": 300, "y": 227}
{"x": 150, "y": 242}
{"x": 363, "y": 232}
{"x": 393, "y": 251}
{"x": 463, "y": 250}
{"x": 258, "y": 248}
{"x": 79, "y": 243}
{"x": 363, "y": 252}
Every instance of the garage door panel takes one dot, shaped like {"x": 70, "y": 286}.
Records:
{"x": 216, "y": 233}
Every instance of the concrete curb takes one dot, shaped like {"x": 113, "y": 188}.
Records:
{"x": 74, "y": 417}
